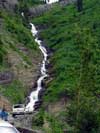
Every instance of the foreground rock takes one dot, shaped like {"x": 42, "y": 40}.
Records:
{"x": 4, "y": 103}
{"x": 23, "y": 130}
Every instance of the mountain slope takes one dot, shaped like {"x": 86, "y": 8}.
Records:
{"x": 74, "y": 37}
{"x": 19, "y": 54}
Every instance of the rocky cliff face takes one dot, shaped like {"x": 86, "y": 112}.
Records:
{"x": 8, "y": 4}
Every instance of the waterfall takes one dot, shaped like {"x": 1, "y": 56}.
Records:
{"x": 34, "y": 94}
{"x": 51, "y": 1}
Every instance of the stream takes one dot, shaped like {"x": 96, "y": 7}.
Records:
{"x": 34, "y": 96}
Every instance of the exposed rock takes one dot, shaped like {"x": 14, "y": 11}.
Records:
{"x": 6, "y": 77}
{"x": 24, "y": 130}
{"x": 56, "y": 107}
{"x": 4, "y": 103}
{"x": 41, "y": 9}
{"x": 24, "y": 72}
{"x": 37, "y": 104}
{"x": 8, "y": 4}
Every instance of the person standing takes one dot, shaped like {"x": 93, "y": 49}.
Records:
{"x": 4, "y": 115}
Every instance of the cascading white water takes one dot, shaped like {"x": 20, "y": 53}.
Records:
{"x": 51, "y": 1}
{"x": 34, "y": 95}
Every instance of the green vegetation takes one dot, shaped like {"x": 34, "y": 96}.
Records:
{"x": 24, "y": 6}
{"x": 29, "y": 3}
{"x": 42, "y": 118}
{"x": 14, "y": 26}
{"x": 54, "y": 125}
{"x": 13, "y": 35}
{"x": 38, "y": 119}
{"x": 2, "y": 52}
{"x": 74, "y": 38}
{"x": 15, "y": 92}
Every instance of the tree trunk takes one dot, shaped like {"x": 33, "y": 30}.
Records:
{"x": 79, "y": 5}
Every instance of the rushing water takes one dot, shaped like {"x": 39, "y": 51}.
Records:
{"x": 34, "y": 95}
{"x": 51, "y": 1}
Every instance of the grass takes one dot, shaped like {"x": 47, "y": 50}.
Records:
{"x": 15, "y": 92}
{"x": 14, "y": 26}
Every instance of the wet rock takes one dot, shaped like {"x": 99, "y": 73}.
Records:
{"x": 36, "y": 107}
{"x": 41, "y": 93}
{"x": 38, "y": 103}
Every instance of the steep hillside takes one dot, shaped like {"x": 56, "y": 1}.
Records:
{"x": 74, "y": 39}
{"x": 72, "y": 96}
{"x": 19, "y": 54}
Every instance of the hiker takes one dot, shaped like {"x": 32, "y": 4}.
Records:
{"x": 4, "y": 114}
